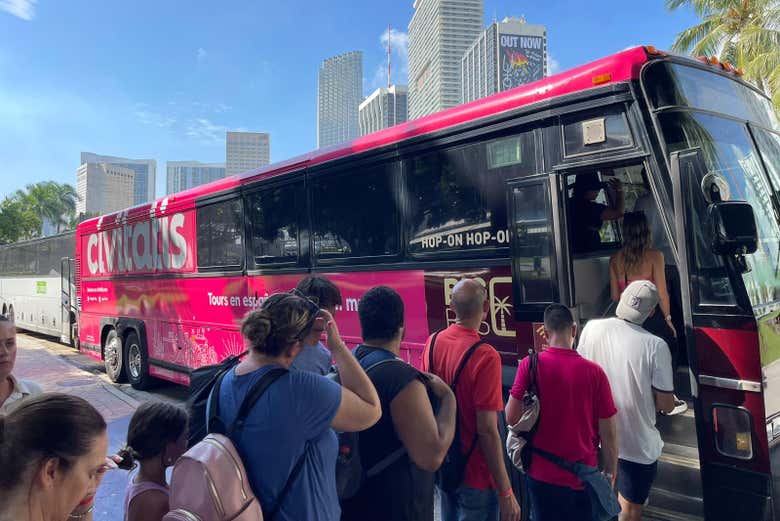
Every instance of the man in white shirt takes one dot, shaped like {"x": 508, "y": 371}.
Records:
{"x": 12, "y": 389}
{"x": 639, "y": 368}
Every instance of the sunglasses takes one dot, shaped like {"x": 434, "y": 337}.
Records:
{"x": 312, "y": 307}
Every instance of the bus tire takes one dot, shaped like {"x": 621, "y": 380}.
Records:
{"x": 137, "y": 362}
{"x": 113, "y": 358}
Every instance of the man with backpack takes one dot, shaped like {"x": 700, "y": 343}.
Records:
{"x": 483, "y": 490}
{"x": 403, "y": 450}
{"x": 577, "y": 411}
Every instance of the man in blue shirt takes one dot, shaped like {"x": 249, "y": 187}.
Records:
{"x": 315, "y": 357}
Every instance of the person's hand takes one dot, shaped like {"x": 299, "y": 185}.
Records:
{"x": 671, "y": 327}
{"x": 509, "y": 508}
{"x": 326, "y": 321}
{"x": 615, "y": 184}
{"x": 438, "y": 386}
{"x": 611, "y": 477}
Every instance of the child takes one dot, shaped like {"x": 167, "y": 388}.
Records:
{"x": 156, "y": 438}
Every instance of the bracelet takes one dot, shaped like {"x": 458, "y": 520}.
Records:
{"x": 83, "y": 514}
{"x": 506, "y": 493}
{"x": 668, "y": 318}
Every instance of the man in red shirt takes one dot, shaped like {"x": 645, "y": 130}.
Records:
{"x": 577, "y": 411}
{"x": 486, "y": 490}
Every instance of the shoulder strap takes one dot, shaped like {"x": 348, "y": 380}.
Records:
{"x": 533, "y": 370}
{"x": 463, "y": 362}
{"x": 430, "y": 351}
{"x": 288, "y": 485}
{"x": 254, "y": 394}
{"x": 557, "y": 460}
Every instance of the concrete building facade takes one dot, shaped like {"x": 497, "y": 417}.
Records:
{"x": 440, "y": 32}
{"x": 384, "y": 108}
{"x": 104, "y": 188}
{"x": 246, "y": 151}
{"x": 339, "y": 93}
{"x": 145, "y": 171}
{"x": 506, "y": 55}
{"x": 182, "y": 175}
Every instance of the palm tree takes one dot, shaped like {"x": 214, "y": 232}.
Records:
{"x": 745, "y": 33}
{"x": 50, "y": 201}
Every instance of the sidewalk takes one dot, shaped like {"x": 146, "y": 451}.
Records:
{"x": 37, "y": 361}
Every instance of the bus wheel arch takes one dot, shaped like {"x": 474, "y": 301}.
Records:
{"x": 137, "y": 356}
{"x": 113, "y": 357}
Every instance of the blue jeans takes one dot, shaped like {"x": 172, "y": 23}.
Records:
{"x": 469, "y": 504}
{"x": 554, "y": 503}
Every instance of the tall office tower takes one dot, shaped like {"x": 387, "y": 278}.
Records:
{"x": 384, "y": 108}
{"x": 145, "y": 173}
{"x": 506, "y": 55}
{"x": 246, "y": 151}
{"x": 181, "y": 175}
{"x": 339, "y": 93}
{"x": 439, "y": 34}
{"x": 104, "y": 188}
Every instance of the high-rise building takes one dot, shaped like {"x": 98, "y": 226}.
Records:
{"x": 506, "y": 55}
{"x": 104, "y": 188}
{"x": 339, "y": 93}
{"x": 181, "y": 175}
{"x": 384, "y": 108}
{"x": 246, "y": 151}
{"x": 145, "y": 174}
{"x": 439, "y": 34}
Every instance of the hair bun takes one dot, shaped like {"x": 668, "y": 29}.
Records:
{"x": 128, "y": 456}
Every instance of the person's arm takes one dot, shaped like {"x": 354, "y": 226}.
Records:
{"x": 360, "y": 407}
{"x": 614, "y": 284}
{"x": 513, "y": 411}
{"x": 609, "y": 447}
{"x": 659, "y": 274}
{"x": 664, "y": 401}
{"x": 616, "y": 209}
{"x": 426, "y": 436}
{"x": 490, "y": 443}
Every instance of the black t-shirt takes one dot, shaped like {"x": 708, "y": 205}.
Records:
{"x": 402, "y": 492}
{"x": 586, "y": 224}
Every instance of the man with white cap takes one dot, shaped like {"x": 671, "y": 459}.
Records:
{"x": 639, "y": 368}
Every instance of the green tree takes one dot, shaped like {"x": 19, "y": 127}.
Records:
{"x": 51, "y": 201}
{"x": 742, "y": 32}
{"x": 17, "y": 221}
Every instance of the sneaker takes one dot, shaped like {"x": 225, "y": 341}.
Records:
{"x": 679, "y": 407}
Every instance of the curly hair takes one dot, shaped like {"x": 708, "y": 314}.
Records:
{"x": 637, "y": 239}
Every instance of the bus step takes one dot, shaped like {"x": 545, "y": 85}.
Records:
{"x": 677, "y": 489}
{"x": 679, "y": 429}
{"x": 661, "y": 514}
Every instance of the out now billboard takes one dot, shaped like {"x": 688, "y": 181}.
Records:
{"x": 521, "y": 59}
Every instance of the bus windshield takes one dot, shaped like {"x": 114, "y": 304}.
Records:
{"x": 740, "y": 146}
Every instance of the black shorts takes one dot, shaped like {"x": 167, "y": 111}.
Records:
{"x": 635, "y": 480}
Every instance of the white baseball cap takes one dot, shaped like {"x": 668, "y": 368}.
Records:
{"x": 638, "y": 301}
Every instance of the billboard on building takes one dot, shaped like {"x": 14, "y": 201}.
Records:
{"x": 521, "y": 59}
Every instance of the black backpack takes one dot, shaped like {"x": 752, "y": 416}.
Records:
{"x": 350, "y": 473}
{"x": 450, "y": 475}
{"x": 202, "y": 380}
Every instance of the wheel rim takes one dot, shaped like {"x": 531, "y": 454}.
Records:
{"x": 134, "y": 361}
{"x": 112, "y": 355}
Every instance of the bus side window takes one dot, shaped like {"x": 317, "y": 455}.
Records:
{"x": 220, "y": 235}
{"x": 273, "y": 214}
{"x": 356, "y": 214}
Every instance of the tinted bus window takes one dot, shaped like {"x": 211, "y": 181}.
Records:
{"x": 596, "y": 131}
{"x": 356, "y": 215}
{"x": 220, "y": 231}
{"x": 273, "y": 215}
{"x": 458, "y": 196}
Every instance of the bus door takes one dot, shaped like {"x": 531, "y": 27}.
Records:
{"x": 540, "y": 273}
{"x": 67, "y": 293}
{"x": 716, "y": 241}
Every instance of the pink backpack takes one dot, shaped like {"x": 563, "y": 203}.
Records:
{"x": 209, "y": 481}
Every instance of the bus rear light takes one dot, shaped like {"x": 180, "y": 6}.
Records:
{"x": 652, "y": 51}
{"x": 602, "y": 79}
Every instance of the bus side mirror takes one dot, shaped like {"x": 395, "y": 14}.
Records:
{"x": 732, "y": 228}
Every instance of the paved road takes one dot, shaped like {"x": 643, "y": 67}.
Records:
{"x": 59, "y": 368}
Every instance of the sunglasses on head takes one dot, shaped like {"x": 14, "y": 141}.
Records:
{"x": 312, "y": 308}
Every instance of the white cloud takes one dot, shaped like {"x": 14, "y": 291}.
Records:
{"x": 201, "y": 54}
{"x": 206, "y": 131}
{"x": 553, "y": 66}
{"x": 24, "y": 9}
{"x": 149, "y": 117}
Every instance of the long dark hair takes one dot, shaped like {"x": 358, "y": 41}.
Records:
{"x": 636, "y": 240}
{"x": 51, "y": 425}
{"x": 282, "y": 320}
{"x": 153, "y": 426}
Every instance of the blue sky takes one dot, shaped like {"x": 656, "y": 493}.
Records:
{"x": 165, "y": 79}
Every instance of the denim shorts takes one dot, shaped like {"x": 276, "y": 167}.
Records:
{"x": 635, "y": 480}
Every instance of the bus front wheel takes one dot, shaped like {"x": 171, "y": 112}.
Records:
{"x": 137, "y": 363}
{"x": 113, "y": 357}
